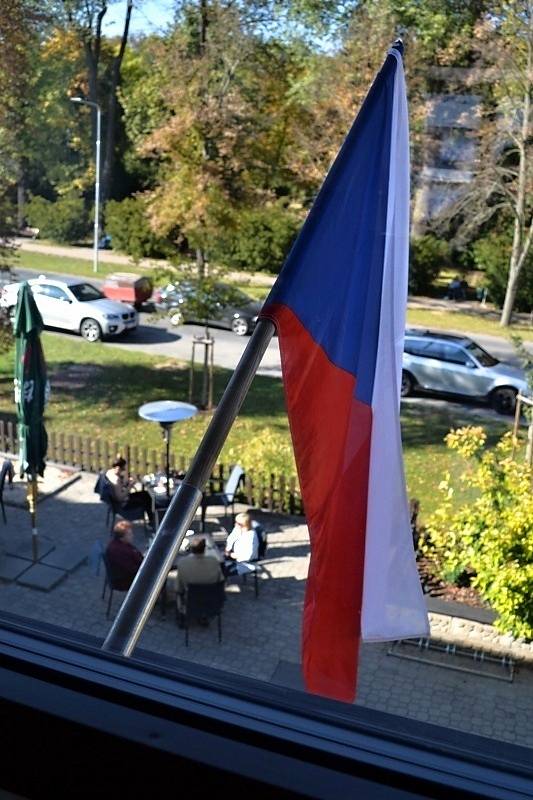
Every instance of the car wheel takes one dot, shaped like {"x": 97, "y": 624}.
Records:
{"x": 503, "y": 400}
{"x": 408, "y": 384}
{"x": 91, "y": 330}
{"x": 176, "y": 318}
{"x": 240, "y": 326}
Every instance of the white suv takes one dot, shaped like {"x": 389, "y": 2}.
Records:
{"x": 76, "y": 306}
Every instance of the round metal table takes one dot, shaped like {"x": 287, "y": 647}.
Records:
{"x": 166, "y": 413}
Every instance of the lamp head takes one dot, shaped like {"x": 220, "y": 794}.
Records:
{"x": 76, "y": 100}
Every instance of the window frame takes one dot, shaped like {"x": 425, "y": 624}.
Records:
{"x": 166, "y": 714}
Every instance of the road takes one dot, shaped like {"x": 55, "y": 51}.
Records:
{"x": 158, "y": 337}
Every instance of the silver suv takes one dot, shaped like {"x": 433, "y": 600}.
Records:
{"x": 447, "y": 364}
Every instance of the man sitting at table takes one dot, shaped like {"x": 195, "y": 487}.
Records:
{"x": 196, "y": 567}
{"x": 123, "y": 557}
{"x": 122, "y": 488}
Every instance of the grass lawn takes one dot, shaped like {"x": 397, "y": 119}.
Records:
{"x": 42, "y": 262}
{"x": 461, "y": 321}
{"x": 96, "y": 391}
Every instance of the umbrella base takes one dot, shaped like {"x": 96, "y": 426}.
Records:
{"x": 12, "y": 567}
{"x": 42, "y": 577}
{"x": 25, "y": 549}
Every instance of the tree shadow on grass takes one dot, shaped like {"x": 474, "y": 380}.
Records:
{"x": 423, "y": 424}
{"x": 125, "y": 387}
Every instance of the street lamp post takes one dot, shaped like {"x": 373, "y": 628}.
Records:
{"x": 84, "y": 102}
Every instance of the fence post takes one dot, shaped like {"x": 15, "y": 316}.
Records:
{"x": 282, "y": 494}
{"x": 10, "y": 437}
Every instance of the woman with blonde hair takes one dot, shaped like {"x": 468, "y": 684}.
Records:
{"x": 242, "y": 544}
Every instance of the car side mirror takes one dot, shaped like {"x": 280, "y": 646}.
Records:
{"x": 471, "y": 365}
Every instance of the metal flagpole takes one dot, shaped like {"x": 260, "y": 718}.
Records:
{"x": 150, "y": 579}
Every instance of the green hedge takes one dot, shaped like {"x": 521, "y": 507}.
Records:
{"x": 63, "y": 220}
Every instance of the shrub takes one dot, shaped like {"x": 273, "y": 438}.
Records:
{"x": 427, "y": 256}
{"x": 272, "y": 452}
{"x": 64, "y": 220}
{"x": 492, "y": 254}
{"x": 127, "y": 224}
{"x": 490, "y": 538}
{"x": 260, "y": 240}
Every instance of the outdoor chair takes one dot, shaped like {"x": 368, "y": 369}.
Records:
{"x": 202, "y": 601}
{"x": 243, "y": 569}
{"x": 6, "y": 471}
{"x": 112, "y": 581}
{"x": 114, "y": 509}
{"x": 225, "y": 498}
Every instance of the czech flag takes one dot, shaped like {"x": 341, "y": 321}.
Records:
{"x": 339, "y": 307}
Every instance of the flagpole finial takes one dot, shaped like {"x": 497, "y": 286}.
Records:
{"x": 398, "y": 45}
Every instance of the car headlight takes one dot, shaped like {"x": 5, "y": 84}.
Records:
{"x": 113, "y": 317}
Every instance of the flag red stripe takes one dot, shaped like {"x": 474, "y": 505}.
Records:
{"x": 331, "y": 436}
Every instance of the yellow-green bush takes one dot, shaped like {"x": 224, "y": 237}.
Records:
{"x": 492, "y": 537}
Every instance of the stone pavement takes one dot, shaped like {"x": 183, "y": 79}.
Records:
{"x": 261, "y": 637}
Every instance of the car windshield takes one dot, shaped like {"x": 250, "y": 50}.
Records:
{"x": 85, "y": 292}
{"x": 484, "y": 358}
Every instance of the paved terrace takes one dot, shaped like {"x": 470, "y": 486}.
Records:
{"x": 261, "y": 636}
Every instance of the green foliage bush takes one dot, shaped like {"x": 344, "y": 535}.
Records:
{"x": 263, "y": 456}
{"x": 427, "y": 256}
{"x": 260, "y": 239}
{"x": 492, "y": 254}
{"x": 64, "y": 220}
{"x": 127, "y": 224}
{"x": 490, "y": 538}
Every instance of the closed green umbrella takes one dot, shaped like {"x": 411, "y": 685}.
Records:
{"x": 31, "y": 389}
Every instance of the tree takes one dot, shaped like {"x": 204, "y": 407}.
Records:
{"x": 86, "y": 20}
{"x": 20, "y": 21}
{"x": 234, "y": 138}
{"x": 203, "y": 142}
{"x": 201, "y": 299}
{"x": 501, "y": 190}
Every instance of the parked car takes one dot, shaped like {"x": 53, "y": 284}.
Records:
{"x": 239, "y": 316}
{"x": 75, "y": 305}
{"x": 447, "y": 364}
{"x": 128, "y": 288}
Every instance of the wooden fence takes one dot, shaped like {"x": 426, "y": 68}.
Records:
{"x": 271, "y": 492}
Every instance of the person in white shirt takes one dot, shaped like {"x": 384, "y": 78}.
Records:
{"x": 242, "y": 544}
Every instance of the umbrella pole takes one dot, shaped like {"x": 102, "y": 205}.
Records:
{"x": 32, "y": 503}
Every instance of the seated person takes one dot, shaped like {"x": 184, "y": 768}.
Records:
{"x": 123, "y": 493}
{"x": 455, "y": 289}
{"x": 198, "y": 566}
{"x": 243, "y": 543}
{"x": 123, "y": 557}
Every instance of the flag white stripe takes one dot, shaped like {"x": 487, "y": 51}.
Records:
{"x": 393, "y": 604}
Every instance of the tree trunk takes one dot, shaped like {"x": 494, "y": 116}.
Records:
{"x": 510, "y": 297}
{"x": 521, "y": 236}
{"x": 21, "y": 196}
{"x": 204, "y": 22}
{"x": 200, "y": 262}
{"x": 107, "y": 171}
